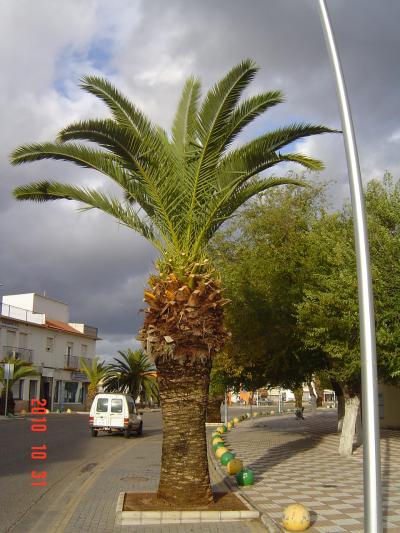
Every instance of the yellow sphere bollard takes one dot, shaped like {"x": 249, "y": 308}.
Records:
{"x": 229, "y": 425}
{"x": 220, "y": 451}
{"x": 236, "y": 420}
{"x": 234, "y": 466}
{"x": 296, "y": 517}
{"x": 255, "y": 414}
{"x": 69, "y": 411}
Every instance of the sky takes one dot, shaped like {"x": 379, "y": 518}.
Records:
{"x": 148, "y": 48}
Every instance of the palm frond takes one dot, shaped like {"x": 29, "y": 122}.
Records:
{"x": 224, "y": 205}
{"x": 124, "y": 112}
{"x": 44, "y": 191}
{"x": 108, "y": 134}
{"x": 248, "y": 110}
{"x": 185, "y": 121}
{"x": 257, "y": 155}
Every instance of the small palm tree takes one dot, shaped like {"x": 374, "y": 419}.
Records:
{"x": 133, "y": 374}
{"x": 22, "y": 369}
{"x": 95, "y": 373}
{"x": 177, "y": 191}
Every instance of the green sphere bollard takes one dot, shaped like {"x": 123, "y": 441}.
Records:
{"x": 226, "y": 457}
{"x": 218, "y": 445}
{"x": 245, "y": 477}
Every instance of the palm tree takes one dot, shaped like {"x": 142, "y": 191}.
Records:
{"x": 133, "y": 374}
{"x": 22, "y": 369}
{"x": 177, "y": 190}
{"x": 95, "y": 373}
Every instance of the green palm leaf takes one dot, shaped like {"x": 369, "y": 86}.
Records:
{"x": 185, "y": 121}
{"x": 186, "y": 186}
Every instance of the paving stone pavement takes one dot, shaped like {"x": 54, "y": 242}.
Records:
{"x": 96, "y": 510}
{"x": 297, "y": 461}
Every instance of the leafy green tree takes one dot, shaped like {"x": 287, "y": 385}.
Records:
{"x": 132, "y": 374}
{"x": 177, "y": 191}
{"x": 22, "y": 369}
{"x": 328, "y": 315}
{"x": 263, "y": 261}
{"x": 95, "y": 373}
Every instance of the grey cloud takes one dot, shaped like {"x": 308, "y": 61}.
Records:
{"x": 85, "y": 259}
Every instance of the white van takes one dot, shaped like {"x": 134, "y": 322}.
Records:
{"x": 114, "y": 412}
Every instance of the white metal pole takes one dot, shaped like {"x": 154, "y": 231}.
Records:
{"x": 371, "y": 463}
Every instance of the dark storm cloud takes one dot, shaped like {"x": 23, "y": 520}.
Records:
{"x": 86, "y": 259}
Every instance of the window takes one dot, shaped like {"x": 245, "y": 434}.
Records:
{"x": 18, "y": 389}
{"x": 49, "y": 344}
{"x": 70, "y": 348}
{"x": 11, "y": 335}
{"x": 21, "y": 389}
{"x": 82, "y": 394}
{"x": 57, "y": 392}
{"x": 32, "y": 389}
{"x": 70, "y": 390}
{"x": 102, "y": 405}
{"x": 116, "y": 406}
{"x": 23, "y": 340}
{"x": 83, "y": 350}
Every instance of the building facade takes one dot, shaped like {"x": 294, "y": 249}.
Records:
{"x": 37, "y": 329}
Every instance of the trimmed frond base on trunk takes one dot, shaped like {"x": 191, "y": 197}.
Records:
{"x": 183, "y": 329}
{"x": 183, "y": 321}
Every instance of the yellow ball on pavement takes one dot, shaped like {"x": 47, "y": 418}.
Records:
{"x": 234, "y": 466}
{"x": 220, "y": 451}
{"x": 69, "y": 411}
{"x": 236, "y": 420}
{"x": 296, "y": 517}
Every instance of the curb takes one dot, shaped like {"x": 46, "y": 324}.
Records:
{"x": 136, "y": 518}
{"x": 269, "y": 523}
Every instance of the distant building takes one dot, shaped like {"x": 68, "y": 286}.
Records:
{"x": 36, "y": 329}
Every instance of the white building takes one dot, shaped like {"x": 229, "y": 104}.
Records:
{"x": 37, "y": 329}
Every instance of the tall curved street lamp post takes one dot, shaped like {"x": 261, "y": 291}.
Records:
{"x": 371, "y": 438}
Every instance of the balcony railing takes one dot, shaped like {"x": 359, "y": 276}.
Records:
{"x": 10, "y": 311}
{"x": 74, "y": 362}
{"x": 23, "y": 354}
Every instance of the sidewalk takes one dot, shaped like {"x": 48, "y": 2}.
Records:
{"x": 297, "y": 461}
{"x": 136, "y": 469}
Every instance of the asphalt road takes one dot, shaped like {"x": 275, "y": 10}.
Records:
{"x": 70, "y": 451}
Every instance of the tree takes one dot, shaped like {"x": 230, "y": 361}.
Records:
{"x": 185, "y": 186}
{"x": 95, "y": 373}
{"x": 225, "y": 375}
{"x": 262, "y": 260}
{"x": 22, "y": 369}
{"x": 328, "y": 314}
{"x": 132, "y": 374}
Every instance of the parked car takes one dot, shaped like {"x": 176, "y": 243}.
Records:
{"x": 114, "y": 412}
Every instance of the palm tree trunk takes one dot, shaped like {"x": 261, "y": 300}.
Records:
{"x": 91, "y": 393}
{"x": 184, "y": 478}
